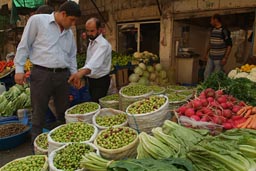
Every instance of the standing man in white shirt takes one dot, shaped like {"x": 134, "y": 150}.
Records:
{"x": 49, "y": 42}
{"x": 98, "y": 62}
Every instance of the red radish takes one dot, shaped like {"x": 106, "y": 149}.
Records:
{"x": 197, "y": 104}
{"x": 209, "y": 92}
{"x": 239, "y": 121}
{"x": 182, "y": 109}
{"x": 206, "y": 110}
{"x": 204, "y": 102}
{"x": 205, "y": 119}
{"x": 216, "y": 120}
{"x": 223, "y": 119}
{"x": 195, "y": 117}
{"x": 242, "y": 104}
{"x": 199, "y": 113}
{"x": 232, "y": 99}
{"x": 227, "y": 113}
{"x": 236, "y": 117}
{"x": 210, "y": 99}
{"x": 230, "y": 105}
{"x": 218, "y": 93}
{"x": 189, "y": 112}
{"x": 236, "y": 108}
{"x": 218, "y": 112}
{"x": 214, "y": 104}
{"x": 227, "y": 125}
{"x": 222, "y": 99}
{"x": 224, "y": 105}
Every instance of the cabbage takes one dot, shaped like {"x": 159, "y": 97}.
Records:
{"x": 134, "y": 77}
{"x": 232, "y": 73}
{"x": 138, "y": 71}
{"x": 152, "y": 76}
{"x": 145, "y": 74}
{"x": 158, "y": 67}
{"x": 137, "y": 55}
{"x": 143, "y": 81}
{"x": 241, "y": 75}
{"x": 150, "y": 68}
{"x": 142, "y": 66}
{"x": 163, "y": 74}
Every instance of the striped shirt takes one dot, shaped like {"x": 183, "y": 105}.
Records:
{"x": 218, "y": 45}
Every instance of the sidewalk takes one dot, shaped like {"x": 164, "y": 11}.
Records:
{"x": 22, "y": 150}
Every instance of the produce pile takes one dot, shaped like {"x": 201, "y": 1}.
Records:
{"x": 84, "y": 108}
{"x": 111, "y": 120}
{"x": 68, "y": 158}
{"x": 5, "y": 67}
{"x": 215, "y": 107}
{"x": 28, "y": 65}
{"x": 17, "y": 97}
{"x": 144, "y": 57}
{"x": 157, "y": 89}
{"x": 147, "y": 105}
{"x": 241, "y": 88}
{"x": 73, "y": 132}
{"x": 112, "y": 97}
{"x": 114, "y": 138}
{"x": 248, "y": 114}
{"x": 10, "y": 129}
{"x": 35, "y": 162}
{"x": 120, "y": 59}
{"x": 135, "y": 90}
{"x": 149, "y": 75}
{"x": 233, "y": 150}
{"x": 42, "y": 141}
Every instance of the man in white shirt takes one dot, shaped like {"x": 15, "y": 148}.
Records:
{"x": 98, "y": 62}
{"x": 50, "y": 45}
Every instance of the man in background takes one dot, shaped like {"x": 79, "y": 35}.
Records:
{"x": 219, "y": 47}
{"x": 98, "y": 62}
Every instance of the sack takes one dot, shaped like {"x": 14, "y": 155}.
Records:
{"x": 85, "y": 117}
{"x": 128, "y": 151}
{"x": 125, "y": 101}
{"x": 44, "y": 168}
{"x": 53, "y": 145}
{"x": 53, "y": 154}
{"x": 38, "y": 150}
{"x": 145, "y": 122}
{"x": 215, "y": 129}
{"x": 108, "y": 112}
{"x": 114, "y": 104}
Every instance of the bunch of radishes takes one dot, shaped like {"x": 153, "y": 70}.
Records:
{"x": 215, "y": 107}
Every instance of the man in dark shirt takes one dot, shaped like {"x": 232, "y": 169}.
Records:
{"x": 219, "y": 47}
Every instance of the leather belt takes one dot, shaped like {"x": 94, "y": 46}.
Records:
{"x": 50, "y": 69}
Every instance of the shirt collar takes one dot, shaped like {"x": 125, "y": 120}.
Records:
{"x": 97, "y": 39}
{"x": 52, "y": 18}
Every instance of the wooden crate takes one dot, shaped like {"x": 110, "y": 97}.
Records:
{"x": 122, "y": 78}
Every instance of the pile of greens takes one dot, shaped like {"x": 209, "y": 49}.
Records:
{"x": 241, "y": 88}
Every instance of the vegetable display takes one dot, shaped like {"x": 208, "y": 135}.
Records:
{"x": 5, "y": 67}
{"x": 149, "y": 75}
{"x": 112, "y": 97}
{"x": 17, "y": 97}
{"x": 248, "y": 114}
{"x": 73, "y": 132}
{"x": 35, "y": 162}
{"x": 42, "y": 141}
{"x": 114, "y": 138}
{"x": 135, "y": 90}
{"x": 157, "y": 89}
{"x": 241, "y": 88}
{"x": 10, "y": 129}
{"x": 111, "y": 120}
{"x": 215, "y": 107}
{"x": 69, "y": 157}
{"x": 145, "y": 57}
{"x": 83, "y": 108}
{"x": 147, "y": 105}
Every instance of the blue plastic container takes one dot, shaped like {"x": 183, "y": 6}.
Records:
{"x": 8, "y": 118}
{"x": 14, "y": 140}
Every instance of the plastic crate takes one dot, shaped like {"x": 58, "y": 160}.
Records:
{"x": 14, "y": 140}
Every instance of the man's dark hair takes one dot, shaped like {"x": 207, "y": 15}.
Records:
{"x": 217, "y": 17}
{"x": 44, "y": 9}
{"x": 71, "y": 8}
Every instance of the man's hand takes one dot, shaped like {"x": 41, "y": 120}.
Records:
{"x": 20, "y": 78}
{"x": 75, "y": 79}
{"x": 224, "y": 61}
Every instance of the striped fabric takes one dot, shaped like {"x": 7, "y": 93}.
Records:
{"x": 217, "y": 44}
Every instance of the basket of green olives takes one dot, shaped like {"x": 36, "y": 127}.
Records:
{"x": 110, "y": 101}
{"x": 68, "y": 157}
{"x": 117, "y": 143}
{"x": 28, "y": 163}
{"x": 41, "y": 144}
{"x": 71, "y": 132}
{"x": 108, "y": 117}
{"x": 82, "y": 112}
